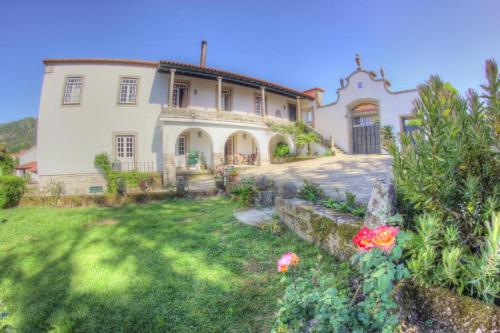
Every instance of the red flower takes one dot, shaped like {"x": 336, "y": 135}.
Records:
{"x": 364, "y": 239}
{"x": 384, "y": 237}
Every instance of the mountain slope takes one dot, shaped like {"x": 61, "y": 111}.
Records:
{"x": 19, "y": 135}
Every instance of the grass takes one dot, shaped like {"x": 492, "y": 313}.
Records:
{"x": 184, "y": 266}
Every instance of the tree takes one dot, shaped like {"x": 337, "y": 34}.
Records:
{"x": 299, "y": 133}
{"x": 7, "y": 163}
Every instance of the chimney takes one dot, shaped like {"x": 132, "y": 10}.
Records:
{"x": 203, "y": 57}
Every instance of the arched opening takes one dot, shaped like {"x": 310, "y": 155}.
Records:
{"x": 365, "y": 129}
{"x": 241, "y": 148}
{"x": 279, "y": 147}
{"x": 193, "y": 150}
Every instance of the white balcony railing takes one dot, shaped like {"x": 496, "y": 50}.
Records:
{"x": 234, "y": 116}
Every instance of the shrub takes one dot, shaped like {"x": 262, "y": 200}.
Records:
{"x": 7, "y": 163}
{"x": 281, "y": 150}
{"x": 325, "y": 302}
{"x": 311, "y": 191}
{"x": 52, "y": 192}
{"x": 349, "y": 206}
{"x": 245, "y": 192}
{"x": 11, "y": 190}
{"x": 446, "y": 177}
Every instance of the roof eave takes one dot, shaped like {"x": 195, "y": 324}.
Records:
{"x": 213, "y": 75}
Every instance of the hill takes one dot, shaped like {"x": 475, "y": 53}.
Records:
{"x": 19, "y": 134}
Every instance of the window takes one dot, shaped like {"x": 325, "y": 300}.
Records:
{"x": 226, "y": 99}
{"x": 128, "y": 91}
{"x": 180, "y": 94}
{"x": 364, "y": 121}
{"x": 72, "y": 90}
{"x": 258, "y": 107}
{"x": 125, "y": 147}
{"x": 181, "y": 145}
{"x": 309, "y": 117}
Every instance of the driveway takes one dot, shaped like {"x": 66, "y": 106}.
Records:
{"x": 336, "y": 174}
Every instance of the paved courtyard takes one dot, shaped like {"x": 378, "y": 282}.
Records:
{"x": 336, "y": 174}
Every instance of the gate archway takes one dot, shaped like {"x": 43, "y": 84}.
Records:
{"x": 365, "y": 122}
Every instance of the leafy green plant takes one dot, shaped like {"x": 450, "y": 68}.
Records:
{"x": 281, "y": 150}
{"x": 322, "y": 302}
{"x": 299, "y": 133}
{"x": 12, "y": 189}
{"x": 7, "y": 163}
{"x": 245, "y": 192}
{"x": 446, "y": 177}
{"x": 387, "y": 135}
{"x": 348, "y": 206}
{"x": 311, "y": 191}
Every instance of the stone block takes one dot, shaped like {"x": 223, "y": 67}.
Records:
{"x": 287, "y": 190}
{"x": 330, "y": 230}
{"x": 382, "y": 203}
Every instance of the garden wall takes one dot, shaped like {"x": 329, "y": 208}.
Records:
{"x": 330, "y": 230}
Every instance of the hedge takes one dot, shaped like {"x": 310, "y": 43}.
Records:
{"x": 11, "y": 190}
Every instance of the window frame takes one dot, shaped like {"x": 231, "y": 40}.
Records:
{"x": 70, "y": 76}
{"x": 230, "y": 99}
{"x": 129, "y": 77}
{"x": 188, "y": 89}
{"x": 263, "y": 104}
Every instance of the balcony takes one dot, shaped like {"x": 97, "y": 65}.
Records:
{"x": 212, "y": 115}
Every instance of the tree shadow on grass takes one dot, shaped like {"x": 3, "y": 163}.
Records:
{"x": 168, "y": 267}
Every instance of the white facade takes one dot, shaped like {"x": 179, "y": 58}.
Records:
{"x": 72, "y": 129}
{"x": 360, "y": 87}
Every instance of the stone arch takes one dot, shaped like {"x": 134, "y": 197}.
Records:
{"x": 274, "y": 141}
{"x": 193, "y": 149}
{"x": 242, "y": 148}
{"x": 363, "y": 117}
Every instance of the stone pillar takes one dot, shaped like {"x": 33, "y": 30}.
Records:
{"x": 169, "y": 172}
{"x": 219, "y": 93}
{"x": 217, "y": 159}
{"x": 171, "y": 89}
{"x": 382, "y": 204}
{"x": 263, "y": 94}
{"x": 299, "y": 111}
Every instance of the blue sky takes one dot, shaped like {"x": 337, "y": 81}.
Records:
{"x": 300, "y": 44}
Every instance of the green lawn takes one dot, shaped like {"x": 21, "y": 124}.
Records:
{"x": 184, "y": 266}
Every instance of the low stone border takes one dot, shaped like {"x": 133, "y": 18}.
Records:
{"x": 331, "y": 230}
{"x": 456, "y": 312}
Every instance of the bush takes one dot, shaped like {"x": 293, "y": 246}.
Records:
{"x": 447, "y": 180}
{"x": 347, "y": 302}
{"x": 52, "y": 192}
{"x": 11, "y": 190}
{"x": 281, "y": 150}
{"x": 311, "y": 191}
{"x": 349, "y": 206}
{"x": 245, "y": 192}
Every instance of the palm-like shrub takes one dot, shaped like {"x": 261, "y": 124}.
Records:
{"x": 449, "y": 171}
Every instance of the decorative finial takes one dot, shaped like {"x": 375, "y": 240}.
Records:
{"x": 358, "y": 61}
{"x": 382, "y": 74}
{"x": 341, "y": 83}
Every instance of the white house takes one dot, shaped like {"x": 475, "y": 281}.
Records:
{"x": 364, "y": 105}
{"x": 155, "y": 116}
{"x": 172, "y": 117}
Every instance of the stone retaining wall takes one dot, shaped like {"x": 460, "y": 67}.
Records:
{"x": 330, "y": 230}
{"x": 455, "y": 312}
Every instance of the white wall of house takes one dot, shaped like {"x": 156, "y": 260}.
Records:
{"x": 333, "y": 119}
{"x": 69, "y": 136}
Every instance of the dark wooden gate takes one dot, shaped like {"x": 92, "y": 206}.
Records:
{"x": 365, "y": 135}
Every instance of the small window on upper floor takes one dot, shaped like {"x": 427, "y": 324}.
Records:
{"x": 128, "y": 91}
{"x": 226, "y": 99}
{"x": 258, "y": 106}
{"x": 180, "y": 95}
{"x": 72, "y": 90}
